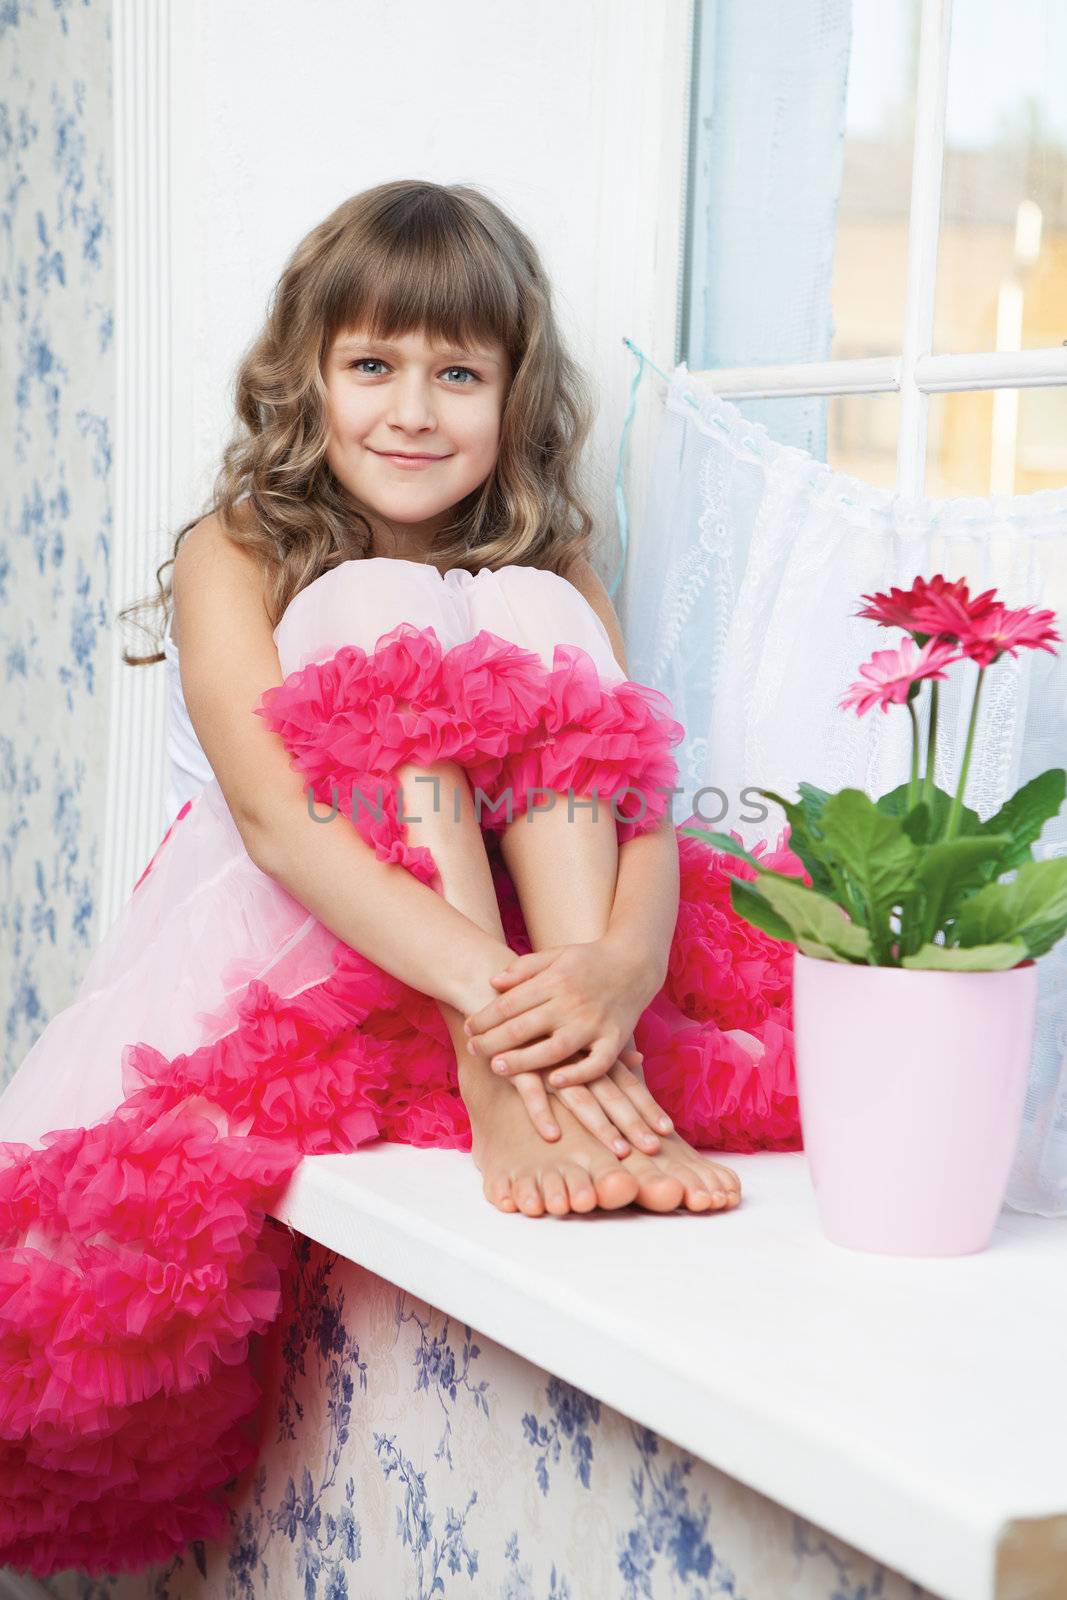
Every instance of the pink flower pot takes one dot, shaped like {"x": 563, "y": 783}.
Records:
{"x": 911, "y": 1089}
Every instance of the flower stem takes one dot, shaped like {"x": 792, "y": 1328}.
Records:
{"x": 931, "y": 741}
{"x": 957, "y": 804}
{"x": 913, "y": 780}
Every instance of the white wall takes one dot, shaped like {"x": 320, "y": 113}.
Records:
{"x": 571, "y": 115}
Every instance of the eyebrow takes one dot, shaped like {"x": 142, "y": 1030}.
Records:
{"x": 394, "y": 350}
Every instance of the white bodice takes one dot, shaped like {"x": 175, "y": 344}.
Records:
{"x": 188, "y": 768}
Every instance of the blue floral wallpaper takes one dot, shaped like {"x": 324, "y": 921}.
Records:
{"x": 56, "y": 401}
{"x": 407, "y": 1457}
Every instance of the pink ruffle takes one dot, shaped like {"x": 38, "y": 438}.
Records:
{"x": 139, "y": 1263}
{"x": 350, "y": 721}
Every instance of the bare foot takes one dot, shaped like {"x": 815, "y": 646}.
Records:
{"x": 678, "y": 1172}
{"x": 521, "y": 1171}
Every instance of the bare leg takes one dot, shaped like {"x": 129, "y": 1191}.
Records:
{"x": 563, "y": 861}
{"x": 520, "y": 1170}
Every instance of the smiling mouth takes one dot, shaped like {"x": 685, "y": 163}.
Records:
{"x": 401, "y": 455}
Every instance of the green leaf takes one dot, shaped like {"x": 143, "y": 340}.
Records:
{"x": 814, "y": 918}
{"x": 821, "y": 952}
{"x": 723, "y": 842}
{"x": 975, "y": 958}
{"x": 1025, "y": 814}
{"x": 750, "y": 904}
{"x": 918, "y": 824}
{"x": 1032, "y": 907}
{"x": 812, "y": 798}
{"x": 939, "y": 804}
{"x": 805, "y": 832}
{"x": 947, "y": 871}
{"x": 876, "y": 853}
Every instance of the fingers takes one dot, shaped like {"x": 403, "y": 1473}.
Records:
{"x": 650, "y": 1110}
{"x": 591, "y": 1114}
{"x": 514, "y": 1029}
{"x": 520, "y": 968}
{"x": 532, "y": 1093}
{"x": 600, "y": 1059}
{"x": 551, "y": 1046}
{"x": 625, "y": 1115}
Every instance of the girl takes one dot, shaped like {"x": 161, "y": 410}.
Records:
{"x": 394, "y": 653}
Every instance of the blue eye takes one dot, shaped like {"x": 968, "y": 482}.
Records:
{"x": 374, "y": 361}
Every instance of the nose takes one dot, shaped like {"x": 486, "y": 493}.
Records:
{"x": 411, "y": 404}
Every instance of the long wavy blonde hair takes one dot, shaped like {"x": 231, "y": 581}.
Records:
{"x": 405, "y": 256}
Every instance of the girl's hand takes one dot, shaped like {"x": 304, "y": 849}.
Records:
{"x": 567, "y": 1009}
{"x": 617, "y": 1108}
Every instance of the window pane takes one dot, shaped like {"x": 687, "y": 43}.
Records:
{"x": 1000, "y": 441}
{"x": 861, "y": 430}
{"x": 799, "y": 178}
{"x": 870, "y": 256}
{"x": 1002, "y": 263}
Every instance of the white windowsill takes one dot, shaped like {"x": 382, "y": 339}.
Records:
{"x": 914, "y": 1408}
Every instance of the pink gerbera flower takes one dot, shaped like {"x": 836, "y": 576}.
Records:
{"x": 888, "y": 676}
{"x": 985, "y": 637}
{"x": 914, "y": 608}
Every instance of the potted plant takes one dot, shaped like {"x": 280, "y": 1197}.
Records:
{"x": 916, "y": 930}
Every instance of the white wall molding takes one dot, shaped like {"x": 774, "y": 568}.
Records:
{"x": 141, "y": 112}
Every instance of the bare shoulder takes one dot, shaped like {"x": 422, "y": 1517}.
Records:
{"x": 585, "y": 578}
{"x": 209, "y": 560}
{"x": 227, "y": 659}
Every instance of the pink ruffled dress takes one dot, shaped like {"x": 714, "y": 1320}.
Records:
{"x": 221, "y": 1033}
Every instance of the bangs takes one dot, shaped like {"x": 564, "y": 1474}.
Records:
{"x": 425, "y": 267}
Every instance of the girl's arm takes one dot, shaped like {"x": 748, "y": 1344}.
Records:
{"x": 228, "y": 659}
{"x": 644, "y": 911}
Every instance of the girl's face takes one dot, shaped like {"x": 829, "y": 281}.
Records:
{"x": 406, "y": 398}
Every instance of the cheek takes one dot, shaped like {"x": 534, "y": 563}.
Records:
{"x": 347, "y": 411}
{"x": 481, "y": 431}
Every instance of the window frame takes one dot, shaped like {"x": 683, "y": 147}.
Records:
{"x": 915, "y": 374}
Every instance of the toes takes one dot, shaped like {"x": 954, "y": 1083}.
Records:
{"x": 614, "y": 1185}
{"x": 723, "y": 1182}
{"x": 701, "y": 1188}
{"x": 554, "y": 1189}
{"x": 727, "y": 1180}
{"x": 527, "y": 1194}
{"x": 616, "y": 1188}
{"x": 657, "y": 1188}
{"x": 580, "y": 1187}
{"x": 497, "y": 1191}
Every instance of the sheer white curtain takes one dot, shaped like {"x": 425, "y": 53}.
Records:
{"x": 747, "y": 563}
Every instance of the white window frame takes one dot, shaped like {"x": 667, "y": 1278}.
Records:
{"x": 915, "y": 373}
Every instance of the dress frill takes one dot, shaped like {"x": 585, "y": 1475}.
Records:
{"x": 139, "y": 1261}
